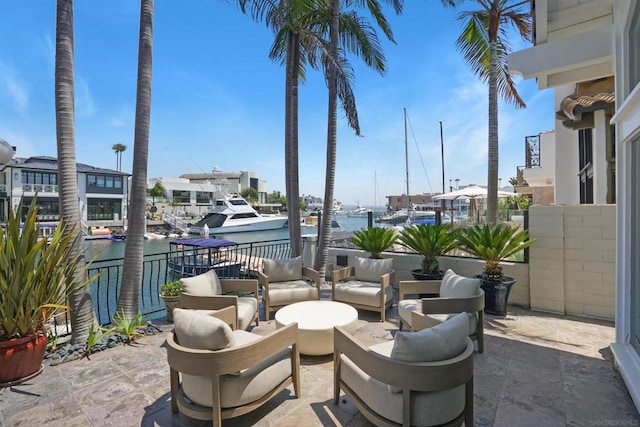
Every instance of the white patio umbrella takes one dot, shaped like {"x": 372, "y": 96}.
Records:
{"x": 471, "y": 192}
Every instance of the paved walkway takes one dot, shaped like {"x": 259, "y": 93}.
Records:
{"x": 537, "y": 370}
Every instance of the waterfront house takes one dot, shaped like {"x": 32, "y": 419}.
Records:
{"x": 102, "y": 192}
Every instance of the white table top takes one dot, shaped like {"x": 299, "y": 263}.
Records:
{"x": 320, "y": 315}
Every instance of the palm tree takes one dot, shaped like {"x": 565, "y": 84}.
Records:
{"x": 119, "y": 149}
{"x": 484, "y": 46}
{"x": 158, "y": 190}
{"x": 363, "y": 41}
{"x": 80, "y": 304}
{"x": 297, "y": 42}
{"x": 132, "y": 271}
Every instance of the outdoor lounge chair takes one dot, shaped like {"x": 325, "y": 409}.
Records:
{"x": 420, "y": 378}
{"x": 365, "y": 285}
{"x": 286, "y": 281}
{"x": 455, "y": 294}
{"x": 207, "y": 292}
{"x": 218, "y": 373}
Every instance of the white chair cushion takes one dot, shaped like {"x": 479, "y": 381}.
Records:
{"x": 282, "y": 270}
{"x": 359, "y": 292}
{"x": 200, "y": 331}
{"x": 245, "y": 387}
{"x": 205, "y": 284}
{"x": 284, "y": 293}
{"x": 247, "y": 308}
{"x": 427, "y": 408}
{"x": 442, "y": 342}
{"x": 371, "y": 269}
{"x": 405, "y": 307}
{"x": 455, "y": 286}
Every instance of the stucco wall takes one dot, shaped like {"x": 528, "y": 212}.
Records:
{"x": 572, "y": 263}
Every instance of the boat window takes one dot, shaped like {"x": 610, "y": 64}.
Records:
{"x": 238, "y": 202}
{"x": 244, "y": 215}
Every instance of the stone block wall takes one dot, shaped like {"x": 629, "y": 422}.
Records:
{"x": 573, "y": 262}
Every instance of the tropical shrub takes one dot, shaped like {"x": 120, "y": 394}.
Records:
{"x": 374, "y": 240}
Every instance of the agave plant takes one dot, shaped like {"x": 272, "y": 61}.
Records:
{"x": 431, "y": 241}
{"x": 36, "y": 275}
{"x": 374, "y": 240}
{"x": 493, "y": 244}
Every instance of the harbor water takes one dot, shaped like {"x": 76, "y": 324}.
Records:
{"x": 110, "y": 249}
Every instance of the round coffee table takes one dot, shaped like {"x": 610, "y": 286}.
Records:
{"x": 316, "y": 320}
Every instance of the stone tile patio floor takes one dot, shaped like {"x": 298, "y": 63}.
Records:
{"x": 538, "y": 369}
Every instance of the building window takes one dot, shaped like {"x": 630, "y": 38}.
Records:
{"x": 47, "y": 178}
{"x": 634, "y": 50}
{"x": 103, "y": 209}
{"x": 634, "y": 222}
{"x": 182, "y": 197}
{"x": 585, "y": 163}
{"x": 109, "y": 182}
{"x": 611, "y": 160}
{"x": 203, "y": 197}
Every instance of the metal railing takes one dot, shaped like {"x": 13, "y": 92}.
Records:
{"x": 157, "y": 270}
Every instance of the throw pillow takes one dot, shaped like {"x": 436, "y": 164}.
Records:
{"x": 205, "y": 284}
{"x": 283, "y": 270}
{"x": 455, "y": 286}
{"x": 371, "y": 269}
{"x": 441, "y": 342}
{"x": 200, "y": 331}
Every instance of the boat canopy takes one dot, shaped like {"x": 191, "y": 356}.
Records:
{"x": 203, "y": 242}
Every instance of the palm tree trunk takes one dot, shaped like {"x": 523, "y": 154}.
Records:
{"x": 81, "y": 306}
{"x": 291, "y": 145}
{"x": 492, "y": 150}
{"x": 132, "y": 269}
{"x": 332, "y": 143}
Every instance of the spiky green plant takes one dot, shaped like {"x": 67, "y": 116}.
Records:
{"x": 431, "y": 241}
{"x": 96, "y": 333}
{"x": 493, "y": 244}
{"x": 36, "y": 275}
{"x": 374, "y": 240}
{"x": 129, "y": 327}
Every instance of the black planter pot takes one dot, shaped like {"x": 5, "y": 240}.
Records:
{"x": 496, "y": 296}
{"x": 419, "y": 275}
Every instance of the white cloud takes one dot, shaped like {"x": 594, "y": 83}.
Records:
{"x": 15, "y": 88}
{"x": 85, "y": 106}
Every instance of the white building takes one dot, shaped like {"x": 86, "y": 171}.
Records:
{"x": 585, "y": 41}
{"x": 193, "y": 193}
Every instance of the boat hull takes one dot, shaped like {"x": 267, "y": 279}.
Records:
{"x": 241, "y": 226}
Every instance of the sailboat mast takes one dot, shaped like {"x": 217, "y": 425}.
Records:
{"x": 442, "y": 206}
{"x": 406, "y": 160}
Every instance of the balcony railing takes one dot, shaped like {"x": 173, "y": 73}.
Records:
{"x": 39, "y": 188}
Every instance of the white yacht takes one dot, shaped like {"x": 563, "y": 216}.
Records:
{"x": 233, "y": 214}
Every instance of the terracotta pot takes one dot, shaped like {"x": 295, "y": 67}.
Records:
{"x": 21, "y": 358}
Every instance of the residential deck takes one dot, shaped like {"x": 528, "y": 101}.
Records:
{"x": 537, "y": 370}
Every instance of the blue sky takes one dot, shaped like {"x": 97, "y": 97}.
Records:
{"x": 217, "y": 100}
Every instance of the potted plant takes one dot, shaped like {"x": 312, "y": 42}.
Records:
{"x": 374, "y": 240}
{"x": 431, "y": 241}
{"x": 494, "y": 244}
{"x": 170, "y": 294}
{"x": 36, "y": 276}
